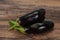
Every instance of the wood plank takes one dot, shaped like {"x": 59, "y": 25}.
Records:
{"x": 12, "y": 9}
{"x": 4, "y": 23}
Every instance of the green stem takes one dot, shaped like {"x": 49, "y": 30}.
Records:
{"x": 15, "y": 25}
{"x": 20, "y": 30}
{"x": 11, "y": 27}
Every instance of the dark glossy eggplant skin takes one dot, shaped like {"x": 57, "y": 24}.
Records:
{"x": 34, "y": 22}
{"x": 33, "y": 17}
{"x": 41, "y": 27}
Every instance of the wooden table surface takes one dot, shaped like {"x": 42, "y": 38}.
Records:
{"x": 12, "y": 9}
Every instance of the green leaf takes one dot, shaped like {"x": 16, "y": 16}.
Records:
{"x": 21, "y": 29}
{"x": 15, "y": 25}
{"x": 11, "y": 23}
{"x": 12, "y": 27}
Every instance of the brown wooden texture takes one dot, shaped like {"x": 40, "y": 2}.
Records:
{"x": 12, "y": 9}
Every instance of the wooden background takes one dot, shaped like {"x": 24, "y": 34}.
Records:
{"x": 12, "y": 9}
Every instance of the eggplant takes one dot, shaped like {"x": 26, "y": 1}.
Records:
{"x": 34, "y": 22}
{"x": 40, "y": 27}
{"x": 33, "y": 17}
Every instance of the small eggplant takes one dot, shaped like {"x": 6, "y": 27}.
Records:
{"x": 40, "y": 27}
{"x": 33, "y": 17}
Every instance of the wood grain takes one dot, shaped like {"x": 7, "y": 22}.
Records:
{"x": 12, "y": 9}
